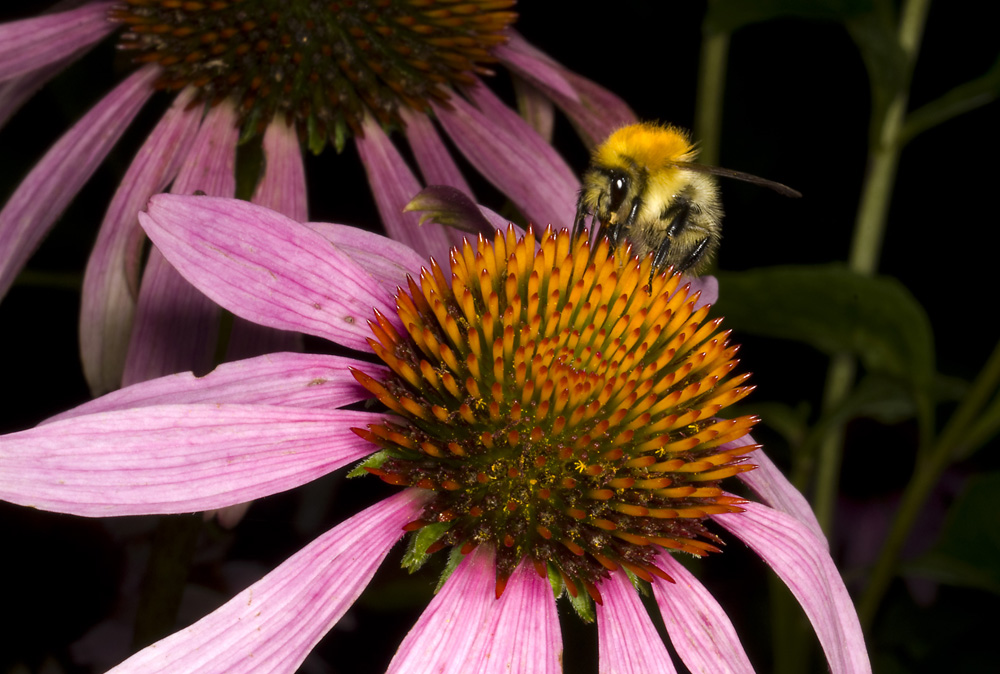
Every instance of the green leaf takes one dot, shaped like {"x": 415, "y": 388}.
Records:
{"x": 791, "y": 423}
{"x": 836, "y": 311}
{"x": 966, "y": 554}
{"x": 728, "y": 15}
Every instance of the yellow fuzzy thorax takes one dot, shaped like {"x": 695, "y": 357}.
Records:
{"x": 653, "y": 146}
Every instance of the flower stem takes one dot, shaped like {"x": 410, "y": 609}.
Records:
{"x": 711, "y": 91}
{"x": 173, "y": 549}
{"x": 955, "y": 440}
{"x": 866, "y": 246}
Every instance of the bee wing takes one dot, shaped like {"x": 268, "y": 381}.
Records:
{"x": 783, "y": 190}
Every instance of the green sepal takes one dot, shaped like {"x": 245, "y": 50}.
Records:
{"x": 583, "y": 604}
{"x": 374, "y": 461}
{"x": 249, "y": 129}
{"x": 455, "y": 558}
{"x": 340, "y": 135}
{"x": 315, "y": 138}
{"x": 416, "y": 549}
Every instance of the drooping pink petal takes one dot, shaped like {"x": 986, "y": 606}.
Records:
{"x": 600, "y": 112}
{"x": 536, "y": 108}
{"x": 699, "y": 628}
{"x": 593, "y": 110}
{"x": 34, "y": 43}
{"x": 512, "y": 156}
{"x": 273, "y": 625}
{"x": 801, "y": 560}
{"x": 446, "y": 631}
{"x": 522, "y": 633}
{"x": 771, "y": 485}
{"x": 265, "y": 267}
{"x": 522, "y": 58}
{"x": 282, "y": 188}
{"x": 626, "y": 638}
{"x": 55, "y": 180}
{"x": 176, "y": 326}
{"x": 111, "y": 282}
{"x": 286, "y": 379}
{"x": 435, "y": 161}
{"x": 388, "y": 261}
{"x": 175, "y": 458}
{"x": 15, "y": 92}
{"x": 394, "y": 185}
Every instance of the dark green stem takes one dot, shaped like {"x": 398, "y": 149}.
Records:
{"x": 955, "y": 441}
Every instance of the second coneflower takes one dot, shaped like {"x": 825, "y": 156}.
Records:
{"x": 552, "y": 415}
{"x": 563, "y": 412}
{"x": 294, "y": 72}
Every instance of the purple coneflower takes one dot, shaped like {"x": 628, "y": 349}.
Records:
{"x": 290, "y": 72}
{"x": 552, "y": 421}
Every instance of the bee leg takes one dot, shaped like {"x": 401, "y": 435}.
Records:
{"x": 618, "y": 230}
{"x": 581, "y": 216}
{"x": 660, "y": 258}
{"x": 694, "y": 257}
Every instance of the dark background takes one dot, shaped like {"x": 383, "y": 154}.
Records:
{"x": 797, "y": 106}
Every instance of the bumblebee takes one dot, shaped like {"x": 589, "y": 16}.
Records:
{"x": 644, "y": 189}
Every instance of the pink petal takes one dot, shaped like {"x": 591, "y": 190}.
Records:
{"x": 594, "y": 111}
{"x": 248, "y": 340}
{"x": 522, "y": 633}
{"x": 801, "y": 560}
{"x": 283, "y": 185}
{"x": 273, "y": 625}
{"x": 14, "y": 92}
{"x": 512, "y": 156}
{"x": 449, "y": 627}
{"x": 266, "y": 268}
{"x": 110, "y": 285}
{"x": 30, "y": 44}
{"x": 522, "y": 58}
{"x": 175, "y": 458}
{"x": 536, "y": 109}
{"x": 433, "y": 158}
{"x": 176, "y": 326}
{"x": 708, "y": 286}
{"x": 394, "y": 185}
{"x": 283, "y": 189}
{"x": 55, "y": 180}
{"x": 626, "y": 638}
{"x": 211, "y": 165}
{"x": 699, "y": 628}
{"x": 388, "y": 261}
{"x": 286, "y": 379}
{"x": 771, "y": 485}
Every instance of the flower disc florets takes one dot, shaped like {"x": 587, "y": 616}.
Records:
{"x": 320, "y": 63}
{"x": 561, "y": 408}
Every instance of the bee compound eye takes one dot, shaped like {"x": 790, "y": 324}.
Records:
{"x": 618, "y": 188}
